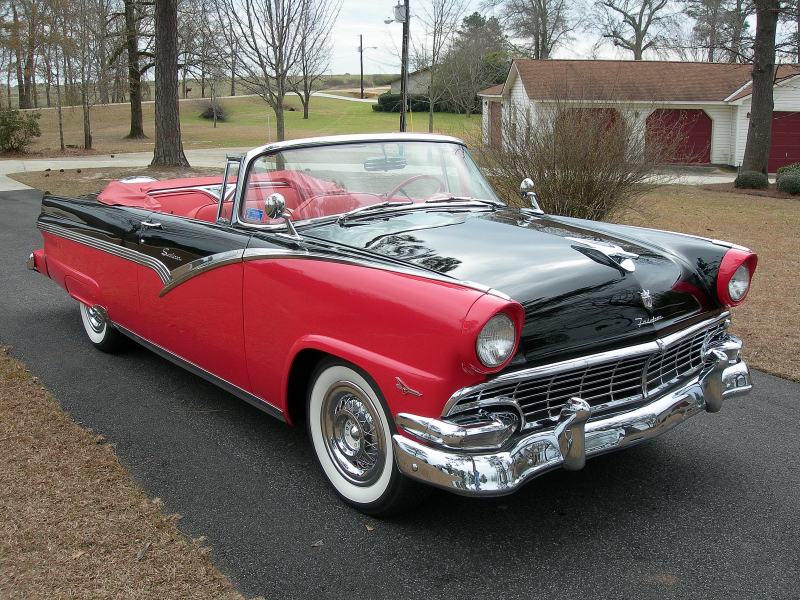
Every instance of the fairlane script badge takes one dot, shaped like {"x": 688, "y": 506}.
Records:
{"x": 642, "y": 322}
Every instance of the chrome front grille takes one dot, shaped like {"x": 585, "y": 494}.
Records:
{"x": 627, "y": 379}
{"x": 679, "y": 360}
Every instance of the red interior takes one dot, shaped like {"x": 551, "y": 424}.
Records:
{"x": 306, "y": 197}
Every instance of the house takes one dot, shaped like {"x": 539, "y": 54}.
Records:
{"x": 711, "y": 101}
{"x": 418, "y": 83}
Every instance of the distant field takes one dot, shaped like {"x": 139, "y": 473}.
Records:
{"x": 247, "y": 125}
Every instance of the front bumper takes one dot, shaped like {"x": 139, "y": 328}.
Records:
{"x": 574, "y": 438}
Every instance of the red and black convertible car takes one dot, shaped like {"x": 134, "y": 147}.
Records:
{"x": 376, "y": 288}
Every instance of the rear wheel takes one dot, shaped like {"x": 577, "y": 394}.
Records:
{"x": 352, "y": 439}
{"x": 102, "y": 335}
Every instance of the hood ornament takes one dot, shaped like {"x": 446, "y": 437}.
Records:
{"x": 606, "y": 253}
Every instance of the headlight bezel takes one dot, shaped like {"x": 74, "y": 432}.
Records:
{"x": 737, "y": 268}
{"x": 496, "y": 341}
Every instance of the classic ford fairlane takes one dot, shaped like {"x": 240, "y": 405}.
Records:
{"x": 377, "y": 289}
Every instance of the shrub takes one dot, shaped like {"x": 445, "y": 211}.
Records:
{"x": 17, "y": 130}
{"x": 789, "y": 182}
{"x": 751, "y": 180}
{"x": 207, "y": 109}
{"x": 792, "y": 168}
{"x": 585, "y": 162}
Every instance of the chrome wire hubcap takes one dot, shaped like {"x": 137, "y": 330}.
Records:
{"x": 95, "y": 320}
{"x": 353, "y": 435}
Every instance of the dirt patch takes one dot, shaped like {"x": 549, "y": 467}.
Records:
{"x": 77, "y": 182}
{"x": 770, "y": 192}
{"x": 768, "y": 321}
{"x": 74, "y": 524}
{"x": 47, "y": 153}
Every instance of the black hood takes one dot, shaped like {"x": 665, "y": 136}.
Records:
{"x": 575, "y": 295}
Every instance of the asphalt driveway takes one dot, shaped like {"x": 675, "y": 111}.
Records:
{"x": 711, "y": 510}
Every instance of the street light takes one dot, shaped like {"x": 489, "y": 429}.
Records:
{"x": 402, "y": 15}
{"x": 361, "y": 50}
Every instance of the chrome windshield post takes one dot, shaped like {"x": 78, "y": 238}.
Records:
{"x": 231, "y": 161}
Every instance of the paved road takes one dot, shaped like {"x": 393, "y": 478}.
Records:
{"x": 708, "y": 511}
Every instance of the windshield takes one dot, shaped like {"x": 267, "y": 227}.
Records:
{"x": 324, "y": 181}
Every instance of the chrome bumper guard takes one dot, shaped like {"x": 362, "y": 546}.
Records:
{"x": 574, "y": 437}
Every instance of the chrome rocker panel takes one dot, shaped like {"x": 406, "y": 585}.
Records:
{"x": 575, "y": 437}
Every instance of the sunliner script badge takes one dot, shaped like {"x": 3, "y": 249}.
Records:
{"x": 168, "y": 254}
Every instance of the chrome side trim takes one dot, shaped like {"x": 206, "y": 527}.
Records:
{"x": 115, "y": 249}
{"x": 229, "y": 387}
{"x": 502, "y": 472}
{"x": 202, "y": 265}
{"x": 172, "y": 279}
{"x": 580, "y": 363}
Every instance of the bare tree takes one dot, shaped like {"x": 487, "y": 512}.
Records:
{"x": 135, "y": 15}
{"x": 270, "y": 40}
{"x": 543, "y": 24}
{"x": 313, "y": 60}
{"x": 720, "y": 30}
{"x": 441, "y": 20}
{"x": 476, "y": 59}
{"x": 25, "y": 22}
{"x": 790, "y": 47}
{"x": 756, "y": 151}
{"x": 634, "y": 25}
{"x": 168, "y": 148}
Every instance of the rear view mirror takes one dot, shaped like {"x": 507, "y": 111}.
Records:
{"x": 385, "y": 163}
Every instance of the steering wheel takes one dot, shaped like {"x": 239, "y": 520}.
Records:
{"x": 392, "y": 194}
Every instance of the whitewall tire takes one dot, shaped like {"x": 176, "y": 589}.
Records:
{"x": 351, "y": 435}
{"x": 102, "y": 335}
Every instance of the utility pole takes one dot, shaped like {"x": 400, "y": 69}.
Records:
{"x": 404, "y": 109}
{"x": 361, "y": 51}
{"x": 402, "y": 15}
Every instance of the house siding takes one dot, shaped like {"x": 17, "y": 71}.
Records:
{"x": 729, "y": 119}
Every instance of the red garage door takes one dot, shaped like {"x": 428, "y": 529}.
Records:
{"x": 784, "y": 149}
{"x": 693, "y": 128}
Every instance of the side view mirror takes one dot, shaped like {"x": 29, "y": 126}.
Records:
{"x": 527, "y": 193}
{"x": 275, "y": 206}
{"x": 276, "y": 209}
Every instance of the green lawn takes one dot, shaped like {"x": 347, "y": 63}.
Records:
{"x": 247, "y": 125}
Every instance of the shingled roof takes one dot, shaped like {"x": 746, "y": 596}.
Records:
{"x": 646, "y": 81}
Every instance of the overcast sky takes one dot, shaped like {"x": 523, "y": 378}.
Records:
{"x": 366, "y": 18}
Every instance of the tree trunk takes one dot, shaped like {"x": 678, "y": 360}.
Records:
{"x": 134, "y": 75}
{"x": 756, "y": 151}
{"x": 168, "y": 149}
{"x": 60, "y": 115}
{"x": 15, "y": 43}
{"x": 87, "y": 128}
{"x": 233, "y": 74}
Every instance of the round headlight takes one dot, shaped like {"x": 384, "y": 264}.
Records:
{"x": 739, "y": 283}
{"x": 496, "y": 341}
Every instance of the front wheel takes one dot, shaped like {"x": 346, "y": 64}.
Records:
{"x": 102, "y": 335}
{"x": 352, "y": 439}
